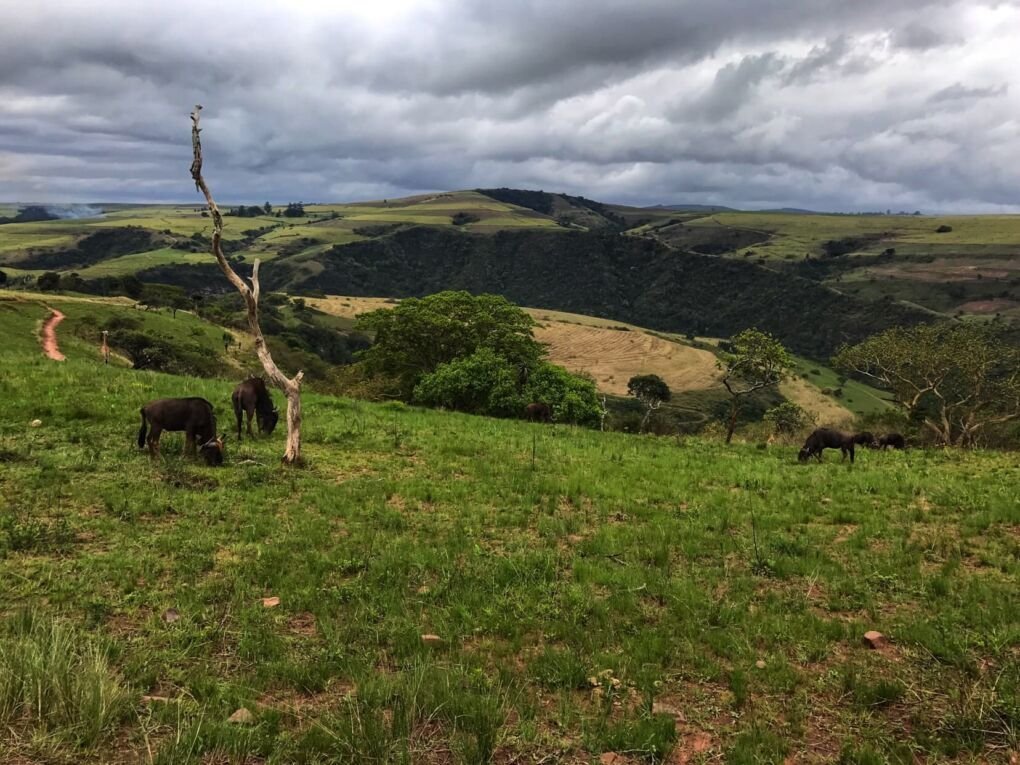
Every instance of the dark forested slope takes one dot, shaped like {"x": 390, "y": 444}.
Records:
{"x": 625, "y": 278}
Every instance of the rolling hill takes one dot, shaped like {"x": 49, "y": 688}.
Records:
{"x": 814, "y": 280}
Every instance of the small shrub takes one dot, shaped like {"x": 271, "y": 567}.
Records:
{"x": 787, "y": 418}
{"x": 943, "y": 229}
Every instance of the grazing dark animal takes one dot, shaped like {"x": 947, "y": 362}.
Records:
{"x": 194, "y": 416}
{"x": 252, "y": 398}
{"x": 866, "y": 438}
{"x": 212, "y": 451}
{"x": 825, "y": 438}
{"x": 538, "y": 413}
{"x": 892, "y": 441}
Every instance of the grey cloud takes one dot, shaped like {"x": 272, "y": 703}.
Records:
{"x": 958, "y": 92}
{"x": 809, "y": 103}
{"x": 920, "y": 37}
{"x": 735, "y": 82}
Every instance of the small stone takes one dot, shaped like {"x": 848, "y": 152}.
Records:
{"x": 36, "y": 423}
{"x": 826, "y": 501}
{"x": 431, "y": 639}
{"x": 272, "y": 602}
{"x": 612, "y": 758}
{"x": 241, "y": 717}
{"x": 873, "y": 639}
{"x": 171, "y": 616}
{"x": 760, "y": 664}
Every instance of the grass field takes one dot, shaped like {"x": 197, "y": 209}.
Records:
{"x": 858, "y": 398}
{"x": 796, "y": 235}
{"x": 588, "y": 593}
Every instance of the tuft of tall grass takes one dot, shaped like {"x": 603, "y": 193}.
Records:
{"x": 58, "y": 681}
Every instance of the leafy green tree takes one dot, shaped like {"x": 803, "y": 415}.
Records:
{"x": 787, "y": 418}
{"x": 482, "y": 383}
{"x": 48, "y": 281}
{"x": 573, "y": 398}
{"x": 267, "y": 208}
{"x": 955, "y": 379}
{"x": 3, "y": 277}
{"x": 753, "y": 360}
{"x": 419, "y": 334}
{"x": 650, "y": 390}
{"x": 486, "y": 383}
{"x": 132, "y": 286}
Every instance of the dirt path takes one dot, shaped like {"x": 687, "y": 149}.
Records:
{"x": 49, "y": 336}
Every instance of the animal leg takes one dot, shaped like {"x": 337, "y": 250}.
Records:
{"x": 237, "y": 413}
{"x": 189, "y": 443}
{"x": 250, "y": 413}
{"x": 153, "y": 441}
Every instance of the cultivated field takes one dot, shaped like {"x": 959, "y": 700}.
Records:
{"x": 437, "y": 588}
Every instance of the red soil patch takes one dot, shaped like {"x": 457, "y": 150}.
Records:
{"x": 49, "y": 336}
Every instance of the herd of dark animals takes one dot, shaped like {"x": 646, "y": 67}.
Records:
{"x": 195, "y": 417}
{"x": 251, "y": 399}
{"x": 826, "y": 438}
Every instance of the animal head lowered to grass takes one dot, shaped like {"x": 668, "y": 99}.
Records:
{"x": 212, "y": 450}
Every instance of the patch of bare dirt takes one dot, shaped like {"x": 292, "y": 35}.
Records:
{"x": 998, "y": 305}
{"x": 49, "y": 336}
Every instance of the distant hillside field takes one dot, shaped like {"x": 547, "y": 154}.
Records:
{"x": 612, "y": 353}
{"x": 816, "y": 281}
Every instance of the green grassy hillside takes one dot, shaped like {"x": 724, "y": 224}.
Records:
{"x": 588, "y": 593}
{"x": 868, "y": 270}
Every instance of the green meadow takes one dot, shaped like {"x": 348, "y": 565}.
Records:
{"x": 794, "y": 235}
{"x": 470, "y": 590}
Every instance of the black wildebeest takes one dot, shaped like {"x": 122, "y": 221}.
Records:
{"x": 194, "y": 416}
{"x": 891, "y": 441}
{"x": 538, "y": 413}
{"x": 826, "y": 438}
{"x": 252, "y": 397}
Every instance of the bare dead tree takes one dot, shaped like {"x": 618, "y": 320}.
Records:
{"x": 291, "y": 387}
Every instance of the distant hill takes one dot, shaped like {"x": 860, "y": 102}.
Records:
{"x": 692, "y": 208}
{"x": 630, "y": 279}
{"x": 955, "y": 265}
{"x": 723, "y": 208}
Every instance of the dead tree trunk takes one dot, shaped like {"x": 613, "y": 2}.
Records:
{"x": 291, "y": 388}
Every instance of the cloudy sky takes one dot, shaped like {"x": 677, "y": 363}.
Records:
{"x": 825, "y": 104}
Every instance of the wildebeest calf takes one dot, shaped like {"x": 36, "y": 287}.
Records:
{"x": 538, "y": 413}
{"x": 194, "y": 416}
{"x": 826, "y": 438}
{"x": 892, "y": 441}
{"x": 252, "y": 398}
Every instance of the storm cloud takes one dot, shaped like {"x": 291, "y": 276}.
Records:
{"x": 824, "y": 104}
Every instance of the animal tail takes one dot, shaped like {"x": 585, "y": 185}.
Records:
{"x": 141, "y": 433}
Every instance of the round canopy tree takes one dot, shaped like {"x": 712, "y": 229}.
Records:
{"x": 651, "y": 390}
